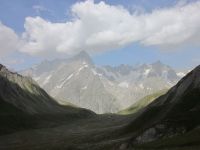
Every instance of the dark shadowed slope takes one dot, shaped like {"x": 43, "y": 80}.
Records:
{"x": 172, "y": 120}
{"x": 25, "y": 94}
{"x": 30, "y": 119}
{"x": 24, "y": 105}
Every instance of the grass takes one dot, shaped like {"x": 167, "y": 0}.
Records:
{"x": 142, "y": 103}
{"x": 32, "y": 120}
{"x": 190, "y": 140}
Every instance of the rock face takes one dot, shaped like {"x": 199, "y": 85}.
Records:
{"x": 76, "y": 81}
{"x": 26, "y": 95}
{"x": 101, "y": 89}
{"x": 24, "y": 105}
{"x": 170, "y": 122}
{"x": 171, "y": 115}
{"x": 129, "y": 84}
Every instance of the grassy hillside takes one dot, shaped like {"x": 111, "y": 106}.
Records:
{"x": 142, "y": 103}
{"x": 26, "y": 106}
{"x": 171, "y": 122}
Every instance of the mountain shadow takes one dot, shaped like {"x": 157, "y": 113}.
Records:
{"x": 24, "y": 105}
{"x": 172, "y": 120}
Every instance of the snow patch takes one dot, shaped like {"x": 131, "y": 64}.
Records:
{"x": 84, "y": 63}
{"x": 36, "y": 78}
{"x": 141, "y": 86}
{"x": 146, "y": 72}
{"x": 81, "y": 68}
{"x": 148, "y": 88}
{"x": 46, "y": 80}
{"x": 65, "y": 80}
{"x": 110, "y": 83}
{"x": 124, "y": 84}
{"x": 95, "y": 73}
{"x": 181, "y": 74}
{"x": 84, "y": 88}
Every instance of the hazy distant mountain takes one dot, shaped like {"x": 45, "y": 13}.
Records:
{"x": 76, "y": 81}
{"x": 102, "y": 89}
{"x": 130, "y": 84}
{"x": 143, "y": 102}
{"x": 169, "y": 122}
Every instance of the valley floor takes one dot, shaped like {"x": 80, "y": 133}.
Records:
{"x": 96, "y": 133}
{"x": 101, "y": 132}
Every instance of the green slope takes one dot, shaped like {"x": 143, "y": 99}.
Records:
{"x": 142, "y": 103}
{"x": 171, "y": 122}
{"x": 26, "y": 95}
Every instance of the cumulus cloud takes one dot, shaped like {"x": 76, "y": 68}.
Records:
{"x": 8, "y": 40}
{"x": 98, "y": 27}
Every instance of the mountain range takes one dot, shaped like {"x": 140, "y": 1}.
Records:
{"x": 31, "y": 119}
{"x": 102, "y": 89}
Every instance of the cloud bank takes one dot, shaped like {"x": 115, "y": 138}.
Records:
{"x": 100, "y": 27}
{"x": 8, "y": 40}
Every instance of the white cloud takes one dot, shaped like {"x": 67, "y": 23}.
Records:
{"x": 8, "y": 40}
{"x": 39, "y": 8}
{"x": 98, "y": 27}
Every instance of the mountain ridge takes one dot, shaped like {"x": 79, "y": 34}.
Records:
{"x": 104, "y": 89}
{"x": 25, "y": 94}
{"x": 169, "y": 122}
{"x": 171, "y": 115}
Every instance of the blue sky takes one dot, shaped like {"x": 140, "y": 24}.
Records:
{"x": 13, "y": 15}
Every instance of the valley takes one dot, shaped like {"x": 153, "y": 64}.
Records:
{"x": 99, "y": 75}
{"x": 169, "y": 122}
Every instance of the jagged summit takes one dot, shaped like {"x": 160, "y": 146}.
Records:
{"x": 159, "y": 64}
{"x": 2, "y": 67}
{"x": 100, "y": 88}
{"x": 83, "y": 56}
{"x": 75, "y": 81}
{"x": 4, "y": 70}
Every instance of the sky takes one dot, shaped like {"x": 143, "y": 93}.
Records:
{"x": 113, "y": 32}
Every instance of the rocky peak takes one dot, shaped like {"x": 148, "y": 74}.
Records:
{"x": 83, "y": 56}
{"x": 157, "y": 63}
{"x": 4, "y": 70}
{"x": 2, "y": 67}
